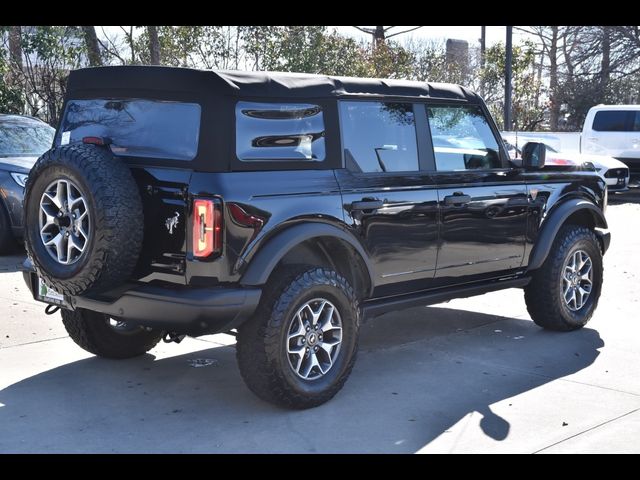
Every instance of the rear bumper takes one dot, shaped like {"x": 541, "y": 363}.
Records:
{"x": 191, "y": 311}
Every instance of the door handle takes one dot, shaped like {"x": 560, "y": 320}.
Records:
{"x": 458, "y": 198}
{"x": 372, "y": 204}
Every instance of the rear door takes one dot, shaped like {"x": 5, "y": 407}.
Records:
{"x": 389, "y": 200}
{"x": 483, "y": 203}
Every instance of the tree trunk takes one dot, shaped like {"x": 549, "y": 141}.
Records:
{"x": 154, "y": 45}
{"x": 378, "y": 36}
{"x": 15, "y": 45}
{"x": 553, "y": 81}
{"x": 93, "y": 48}
{"x": 605, "y": 70}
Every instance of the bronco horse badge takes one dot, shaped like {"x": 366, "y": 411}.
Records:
{"x": 172, "y": 222}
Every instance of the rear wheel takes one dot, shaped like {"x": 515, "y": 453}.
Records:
{"x": 564, "y": 292}
{"x": 107, "y": 337}
{"x": 300, "y": 346}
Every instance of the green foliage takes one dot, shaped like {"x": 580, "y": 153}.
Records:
{"x": 49, "y": 52}
{"x": 528, "y": 111}
{"x": 10, "y": 93}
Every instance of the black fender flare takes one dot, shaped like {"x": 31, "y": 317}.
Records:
{"x": 552, "y": 225}
{"x": 268, "y": 256}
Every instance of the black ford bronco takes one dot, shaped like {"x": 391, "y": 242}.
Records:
{"x": 285, "y": 208}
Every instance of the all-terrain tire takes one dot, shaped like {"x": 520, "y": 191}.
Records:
{"x": 93, "y": 332}
{"x": 115, "y": 212}
{"x": 544, "y": 296}
{"x": 262, "y": 342}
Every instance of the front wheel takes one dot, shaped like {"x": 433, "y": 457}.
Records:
{"x": 564, "y": 292}
{"x": 298, "y": 349}
{"x": 107, "y": 337}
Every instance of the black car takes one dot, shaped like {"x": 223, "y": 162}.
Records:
{"x": 22, "y": 141}
{"x": 286, "y": 208}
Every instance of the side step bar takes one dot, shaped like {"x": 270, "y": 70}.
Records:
{"x": 375, "y": 308}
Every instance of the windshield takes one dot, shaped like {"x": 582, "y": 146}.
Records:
{"x": 25, "y": 140}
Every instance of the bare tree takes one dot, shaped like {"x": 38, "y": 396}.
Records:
{"x": 154, "y": 45}
{"x": 380, "y": 33}
{"x": 93, "y": 47}
{"x": 15, "y": 45}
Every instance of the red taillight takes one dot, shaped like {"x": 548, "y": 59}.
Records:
{"x": 207, "y": 227}
{"x": 96, "y": 140}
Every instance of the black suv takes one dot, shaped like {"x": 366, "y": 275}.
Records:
{"x": 285, "y": 208}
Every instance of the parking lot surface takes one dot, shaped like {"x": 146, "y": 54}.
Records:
{"x": 471, "y": 375}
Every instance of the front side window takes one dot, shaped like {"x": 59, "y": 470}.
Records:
{"x": 462, "y": 138}
{"x": 279, "y": 132}
{"x": 135, "y": 127}
{"x": 379, "y": 137}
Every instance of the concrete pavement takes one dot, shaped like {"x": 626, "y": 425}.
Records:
{"x": 472, "y": 375}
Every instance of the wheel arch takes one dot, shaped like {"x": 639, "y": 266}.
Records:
{"x": 312, "y": 242}
{"x": 576, "y": 211}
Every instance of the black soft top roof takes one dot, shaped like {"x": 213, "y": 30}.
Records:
{"x": 255, "y": 84}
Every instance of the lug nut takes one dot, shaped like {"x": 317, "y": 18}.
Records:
{"x": 315, "y": 349}
{"x": 303, "y": 340}
{"x": 308, "y": 328}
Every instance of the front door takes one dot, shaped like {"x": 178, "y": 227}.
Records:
{"x": 389, "y": 201}
{"x": 483, "y": 203}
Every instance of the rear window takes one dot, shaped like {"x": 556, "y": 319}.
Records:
{"x": 615, "y": 121}
{"x": 136, "y": 127}
{"x": 279, "y": 132}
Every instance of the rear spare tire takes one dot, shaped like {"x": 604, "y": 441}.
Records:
{"x": 83, "y": 224}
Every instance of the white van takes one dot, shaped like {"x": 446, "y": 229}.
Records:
{"x": 613, "y": 130}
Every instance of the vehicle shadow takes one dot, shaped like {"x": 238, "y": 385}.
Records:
{"x": 12, "y": 261}
{"x": 418, "y": 373}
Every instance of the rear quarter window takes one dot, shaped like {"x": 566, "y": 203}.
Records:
{"x": 290, "y": 132}
{"x": 613, "y": 121}
{"x": 135, "y": 127}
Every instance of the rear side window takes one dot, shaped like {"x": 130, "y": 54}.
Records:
{"x": 279, "y": 132}
{"x": 462, "y": 138}
{"x": 136, "y": 127}
{"x": 615, "y": 121}
{"x": 379, "y": 137}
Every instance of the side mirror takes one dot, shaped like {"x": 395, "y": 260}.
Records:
{"x": 533, "y": 155}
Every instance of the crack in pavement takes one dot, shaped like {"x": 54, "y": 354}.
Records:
{"x": 587, "y": 430}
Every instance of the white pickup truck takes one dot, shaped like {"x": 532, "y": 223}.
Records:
{"x": 612, "y": 130}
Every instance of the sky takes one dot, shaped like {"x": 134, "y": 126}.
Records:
{"x": 469, "y": 33}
